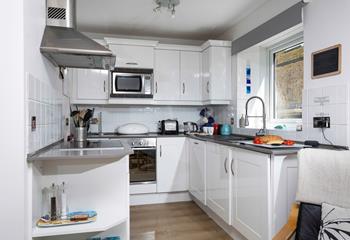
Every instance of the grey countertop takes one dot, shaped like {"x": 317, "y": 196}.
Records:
{"x": 230, "y": 141}
{"x": 102, "y": 150}
{"x": 111, "y": 146}
{"x": 122, "y": 136}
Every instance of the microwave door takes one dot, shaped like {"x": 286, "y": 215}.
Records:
{"x": 128, "y": 84}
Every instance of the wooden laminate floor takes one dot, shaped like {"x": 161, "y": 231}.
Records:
{"x": 173, "y": 221}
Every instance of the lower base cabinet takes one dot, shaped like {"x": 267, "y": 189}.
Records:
{"x": 218, "y": 180}
{"x": 172, "y": 165}
{"x": 197, "y": 169}
{"x": 250, "y": 191}
{"x": 250, "y": 194}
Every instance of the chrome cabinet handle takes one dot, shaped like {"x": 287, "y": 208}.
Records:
{"x": 156, "y": 87}
{"x": 208, "y": 87}
{"x": 233, "y": 160}
{"x": 160, "y": 150}
{"x": 183, "y": 88}
{"x": 104, "y": 86}
{"x": 132, "y": 63}
{"x": 196, "y": 143}
{"x": 225, "y": 165}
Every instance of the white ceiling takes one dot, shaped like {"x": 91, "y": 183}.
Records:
{"x": 195, "y": 19}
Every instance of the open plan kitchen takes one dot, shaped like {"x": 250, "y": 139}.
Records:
{"x": 175, "y": 119}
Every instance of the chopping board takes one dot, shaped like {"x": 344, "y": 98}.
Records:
{"x": 269, "y": 146}
{"x": 60, "y": 223}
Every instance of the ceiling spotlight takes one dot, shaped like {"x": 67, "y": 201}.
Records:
{"x": 167, "y": 4}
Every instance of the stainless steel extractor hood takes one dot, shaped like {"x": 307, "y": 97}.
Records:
{"x": 66, "y": 47}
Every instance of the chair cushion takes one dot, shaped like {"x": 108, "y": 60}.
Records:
{"x": 309, "y": 222}
{"x": 335, "y": 223}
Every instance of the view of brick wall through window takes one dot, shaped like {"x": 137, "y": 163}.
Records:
{"x": 288, "y": 82}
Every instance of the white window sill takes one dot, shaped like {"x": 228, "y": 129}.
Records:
{"x": 289, "y": 126}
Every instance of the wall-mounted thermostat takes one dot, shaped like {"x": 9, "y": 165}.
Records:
{"x": 326, "y": 62}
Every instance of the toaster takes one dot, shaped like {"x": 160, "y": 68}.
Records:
{"x": 169, "y": 127}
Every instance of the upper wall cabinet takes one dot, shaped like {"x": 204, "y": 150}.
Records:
{"x": 167, "y": 75}
{"x": 177, "y": 74}
{"x": 183, "y": 75}
{"x": 190, "y": 76}
{"x": 89, "y": 86}
{"x": 216, "y": 72}
{"x": 132, "y": 53}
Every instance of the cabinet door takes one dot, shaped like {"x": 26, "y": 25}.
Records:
{"x": 220, "y": 73}
{"x": 172, "y": 165}
{"x": 91, "y": 84}
{"x": 251, "y": 181}
{"x": 167, "y": 75}
{"x": 197, "y": 169}
{"x": 190, "y": 76}
{"x": 205, "y": 75}
{"x": 131, "y": 56}
{"x": 218, "y": 179}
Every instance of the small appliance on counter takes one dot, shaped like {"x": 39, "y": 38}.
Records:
{"x": 190, "y": 127}
{"x": 225, "y": 130}
{"x": 133, "y": 129}
{"x": 169, "y": 127}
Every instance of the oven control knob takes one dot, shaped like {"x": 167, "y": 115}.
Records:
{"x": 133, "y": 143}
{"x": 142, "y": 143}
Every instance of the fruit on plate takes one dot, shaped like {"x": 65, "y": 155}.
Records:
{"x": 288, "y": 142}
{"x": 268, "y": 139}
{"x": 257, "y": 141}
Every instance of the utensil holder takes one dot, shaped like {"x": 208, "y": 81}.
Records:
{"x": 80, "y": 134}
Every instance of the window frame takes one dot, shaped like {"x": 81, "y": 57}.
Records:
{"x": 284, "y": 44}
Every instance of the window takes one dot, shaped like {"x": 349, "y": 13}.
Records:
{"x": 287, "y": 80}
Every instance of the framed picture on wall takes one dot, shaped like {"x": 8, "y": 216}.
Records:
{"x": 326, "y": 62}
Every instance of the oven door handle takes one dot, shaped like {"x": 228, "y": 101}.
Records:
{"x": 150, "y": 148}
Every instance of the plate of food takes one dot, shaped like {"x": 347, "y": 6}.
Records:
{"x": 272, "y": 142}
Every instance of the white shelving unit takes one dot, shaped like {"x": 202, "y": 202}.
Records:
{"x": 92, "y": 184}
{"x": 103, "y": 223}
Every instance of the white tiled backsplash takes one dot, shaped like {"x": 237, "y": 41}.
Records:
{"x": 114, "y": 117}
{"x": 45, "y": 103}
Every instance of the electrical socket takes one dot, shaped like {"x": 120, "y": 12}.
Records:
{"x": 322, "y": 122}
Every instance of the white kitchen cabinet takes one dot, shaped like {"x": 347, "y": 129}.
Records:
{"x": 190, "y": 76}
{"x": 89, "y": 86}
{"x": 197, "y": 169}
{"x": 205, "y": 75}
{"x": 172, "y": 165}
{"x": 284, "y": 172}
{"x": 167, "y": 75}
{"x": 216, "y": 74}
{"x": 133, "y": 56}
{"x": 218, "y": 179}
{"x": 251, "y": 194}
{"x": 110, "y": 199}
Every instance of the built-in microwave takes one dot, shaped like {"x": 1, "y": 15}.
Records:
{"x": 132, "y": 83}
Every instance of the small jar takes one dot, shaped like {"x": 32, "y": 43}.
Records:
{"x": 216, "y": 128}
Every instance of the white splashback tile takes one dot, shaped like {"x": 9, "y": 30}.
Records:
{"x": 336, "y": 94}
{"x": 314, "y": 133}
{"x": 337, "y": 113}
{"x": 342, "y": 135}
{"x": 114, "y": 117}
{"x": 44, "y": 101}
{"x": 314, "y": 111}
{"x": 314, "y": 95}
